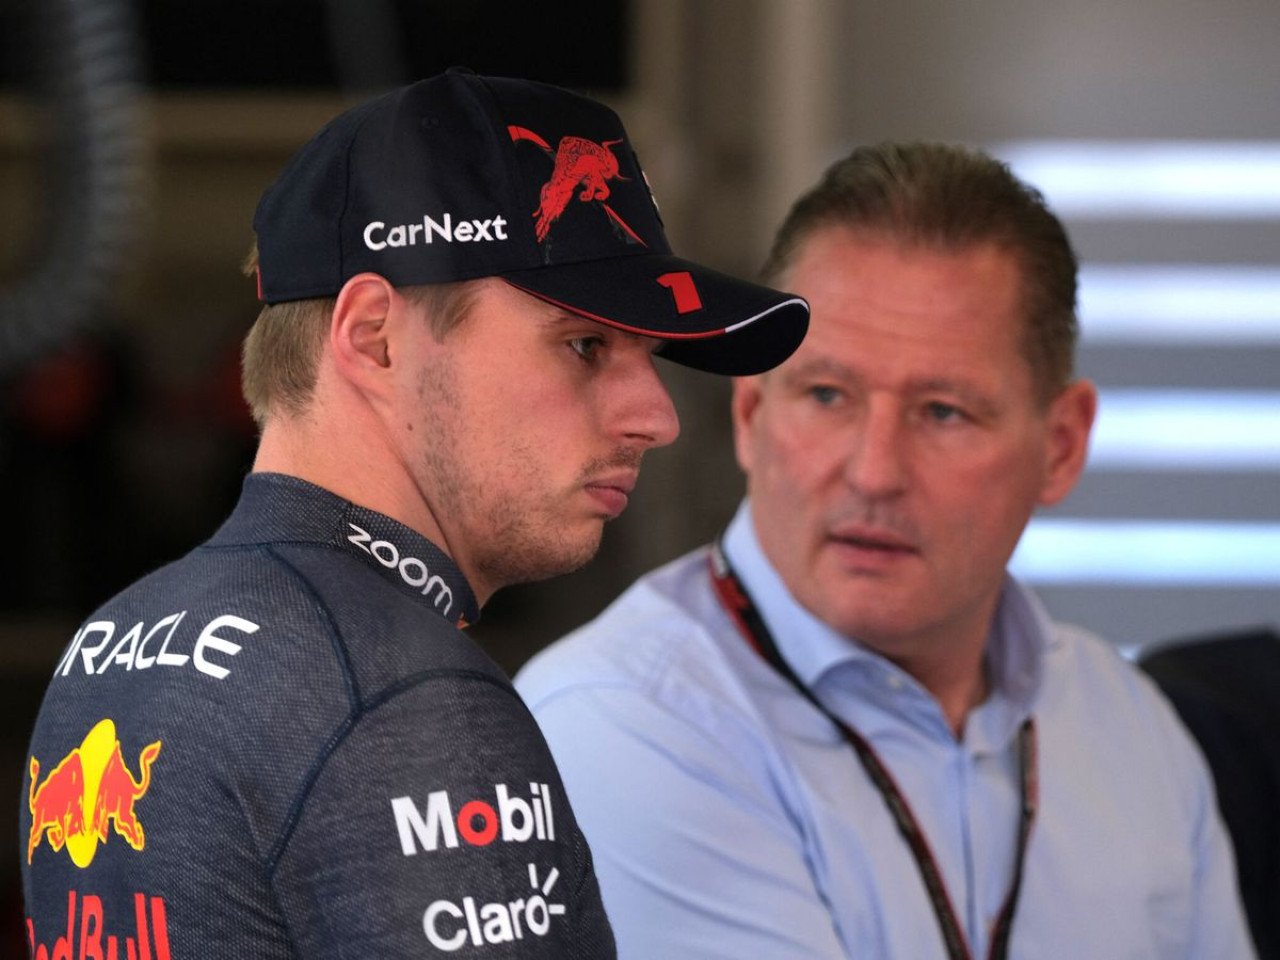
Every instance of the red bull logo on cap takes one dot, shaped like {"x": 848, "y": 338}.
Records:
{"x": 91, "y": 786}
{"x": 577, "y": 163}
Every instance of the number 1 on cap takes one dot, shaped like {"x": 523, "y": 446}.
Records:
{"x": 683, "y": 290}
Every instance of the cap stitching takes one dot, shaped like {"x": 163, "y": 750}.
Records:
{"x": 372, "y": 108}
{"x": 504, "y": 148}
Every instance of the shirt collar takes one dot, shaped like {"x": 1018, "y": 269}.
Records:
{"x": 1021, "y": 631}
{"x": 805, "y": 642}
{"x": 276, "y": 508}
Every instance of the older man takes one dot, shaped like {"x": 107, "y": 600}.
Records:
{"x": 845, "y": 730}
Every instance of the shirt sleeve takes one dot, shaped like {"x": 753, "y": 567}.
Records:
{"x": 434, "y": 822}
{"x": 696, "y": 853}
{"x": 1218, "y": 927}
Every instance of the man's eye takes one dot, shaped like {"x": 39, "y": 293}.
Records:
{"x": 944, "y": 412}
{"x": 824, "y": 395}
{"x": 586, "y": 347}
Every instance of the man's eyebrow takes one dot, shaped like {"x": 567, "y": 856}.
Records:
{"x": 553, "y": 320}
{"x": 826, "y": 367}
{"x": 971, "y": 393}
{"x": 821, "y": 367}
{"x": 568, "y": 317}
{"x": 559, "y": 316}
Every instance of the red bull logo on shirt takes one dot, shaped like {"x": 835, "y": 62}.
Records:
{"x": 89, "y": 940}
{"x": 89, "y": 788}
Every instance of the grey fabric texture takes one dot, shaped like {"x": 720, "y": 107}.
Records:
{"x": 340, "y": 771}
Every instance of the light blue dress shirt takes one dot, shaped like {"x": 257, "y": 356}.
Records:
{"x": 729, "y": 819}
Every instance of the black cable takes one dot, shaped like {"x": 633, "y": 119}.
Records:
{"x": 95, "y": 162}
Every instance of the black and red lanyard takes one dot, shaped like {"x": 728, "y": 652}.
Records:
{"x": 738, "y": 603}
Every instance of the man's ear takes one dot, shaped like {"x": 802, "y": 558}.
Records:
{"x": 745, "y": 404}
{"x": 359, "y": 334}
{"x": 1070, "y": 420}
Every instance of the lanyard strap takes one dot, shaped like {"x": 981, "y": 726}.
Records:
{"x": 735, "y": 599}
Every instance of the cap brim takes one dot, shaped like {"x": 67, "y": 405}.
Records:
{"x": 728, "y": 326}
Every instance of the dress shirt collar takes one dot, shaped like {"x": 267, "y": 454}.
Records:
{"x": 1016, "y": 646}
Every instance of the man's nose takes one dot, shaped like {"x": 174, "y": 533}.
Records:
{"x": 648, "y": 416}
{"x": 875, "y": 462}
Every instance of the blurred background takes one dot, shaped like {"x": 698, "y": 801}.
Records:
{"x": 137, "y": 135}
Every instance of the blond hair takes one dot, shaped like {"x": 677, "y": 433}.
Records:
{"x": 281, "y": 353}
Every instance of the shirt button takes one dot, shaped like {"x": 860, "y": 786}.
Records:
{"x": 894, "y": 681}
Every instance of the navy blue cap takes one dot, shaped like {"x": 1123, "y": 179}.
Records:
{"x": 460, "y": 176}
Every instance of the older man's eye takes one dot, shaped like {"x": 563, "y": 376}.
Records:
{"x": 824, "y": 395}
{"x": 944, "y": 412}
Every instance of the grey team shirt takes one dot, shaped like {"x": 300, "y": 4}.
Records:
{"x": 282, "y": 746}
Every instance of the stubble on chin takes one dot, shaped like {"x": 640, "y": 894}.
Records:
{"x": 526, "y": 556}
{"x": 515, "y": 535}
{"x": 537, "y": 541}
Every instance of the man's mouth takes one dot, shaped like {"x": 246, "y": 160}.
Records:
{"x": 872, "y": 543}
{"x": 612, "y": 491}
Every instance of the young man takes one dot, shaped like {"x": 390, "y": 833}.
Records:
{"x": 845, "y": 730}
{"x": 282, "y": 745}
